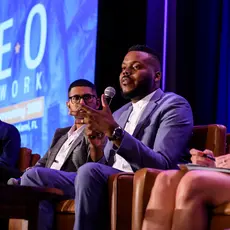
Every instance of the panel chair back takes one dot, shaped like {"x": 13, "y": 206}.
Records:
{"x": 212, "y": 137}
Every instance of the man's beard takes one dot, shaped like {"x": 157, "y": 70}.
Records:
{"x": 142, "y": 90}
{"x": 132, "y": 94}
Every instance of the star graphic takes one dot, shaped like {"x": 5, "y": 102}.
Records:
{"x": 17, "y": 48}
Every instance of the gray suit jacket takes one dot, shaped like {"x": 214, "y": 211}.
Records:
{"x": 161, "y": 136}
{"x": 77, "y": 155}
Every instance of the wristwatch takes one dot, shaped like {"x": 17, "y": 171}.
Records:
{"x": 117, "y": 134}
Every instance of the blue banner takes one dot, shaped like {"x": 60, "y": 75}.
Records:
{"x": 44, "y": 46}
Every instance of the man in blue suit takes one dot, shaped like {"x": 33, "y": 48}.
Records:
{"x": 151, "y": 131}
{"x": 10, "y": 143}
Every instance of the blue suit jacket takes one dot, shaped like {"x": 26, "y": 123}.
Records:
{"x": 161, "y": 136}
{"x": 10, "y": 143}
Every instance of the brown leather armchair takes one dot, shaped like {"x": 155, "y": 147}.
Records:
{"x": 211, "y": 137}
{"x": 204, "y": 137}
{"x": 27, "y": 159}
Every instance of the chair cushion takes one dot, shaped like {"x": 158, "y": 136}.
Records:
{"x": 66, "y": 206}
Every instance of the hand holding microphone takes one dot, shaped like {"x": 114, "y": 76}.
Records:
{"x": 109, "y": 94}
{"x": 101, "y": 121}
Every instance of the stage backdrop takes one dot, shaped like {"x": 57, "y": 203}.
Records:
{"x": 44, "y": 46}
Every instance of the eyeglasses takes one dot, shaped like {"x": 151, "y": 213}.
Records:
{"x": 88, "y": 98}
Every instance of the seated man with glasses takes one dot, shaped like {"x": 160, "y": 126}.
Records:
{"x": 69, "y": 147}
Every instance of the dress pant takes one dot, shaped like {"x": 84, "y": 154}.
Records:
{"x": 88, "y": 187}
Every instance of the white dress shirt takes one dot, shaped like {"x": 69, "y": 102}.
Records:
{"x": 134, "y": 117}
{"x": 62, "y": 153}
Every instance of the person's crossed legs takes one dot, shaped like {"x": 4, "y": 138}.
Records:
{"x": 91, "y": 189}
{"x": 183, "y": 201}
{"x": 197, "y": 194}
{"x": 50, "y": 178}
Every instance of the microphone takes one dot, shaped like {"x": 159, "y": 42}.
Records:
{"x": 14, "y": 181}
{"x": 109, "y": 94}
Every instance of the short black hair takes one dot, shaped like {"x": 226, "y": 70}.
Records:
{"x": 146, "y": 49}
{"x": 82, "y": 82}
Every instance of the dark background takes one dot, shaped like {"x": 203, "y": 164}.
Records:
{"x": 195, "y": 54}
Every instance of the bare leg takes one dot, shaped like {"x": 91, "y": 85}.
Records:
{"x": 197, "y": 192}
{"x": 159, "y": 212}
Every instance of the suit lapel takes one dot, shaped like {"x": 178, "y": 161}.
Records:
{"x": 124, "y": 117}
{"x": 54, "y": 151}
{"x": 74, "y": 145}
{"x": 148, "y": 110}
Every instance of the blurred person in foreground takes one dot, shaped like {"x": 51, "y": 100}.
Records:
{"x": 188, "y": 193}
{"x": 10, "y": 143}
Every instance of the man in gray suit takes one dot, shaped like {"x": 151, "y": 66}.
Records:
{"x": 150, "y": 131}
{"x": 70, "y": 147}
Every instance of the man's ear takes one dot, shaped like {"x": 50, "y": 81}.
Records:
{"x": 157, "y": 77}
{"x": 67, "y": 104}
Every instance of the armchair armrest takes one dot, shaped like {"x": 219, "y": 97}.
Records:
{"x": 24, "y": 159}
{"x": 34, "y": 159}
{"x": 120, "y": 200}
{"x": 144, "y": 180}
